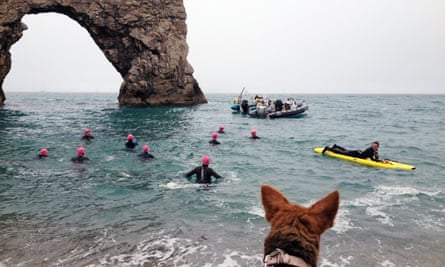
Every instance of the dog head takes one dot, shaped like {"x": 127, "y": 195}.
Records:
{"x": 295, "y": 229}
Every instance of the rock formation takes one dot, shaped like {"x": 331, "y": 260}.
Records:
{"x": 145, "y": 40}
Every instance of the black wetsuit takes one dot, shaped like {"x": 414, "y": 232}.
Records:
{"x": 145, "y": 155}
{"x": 367, "y": 153}
{"x": 244, "y": 106}
{"x": 42, "y": 157}
{"x": 79, "y": 159}
{"x": 221, "y": 131}
{"x": 278, "y": 105}
{"x": 203, "y": 174}
{"x": 131, "y": 144}
{"x": 87, "y": 137}
{"x": 214, "y": 142}
{"x": 255, "y": 137}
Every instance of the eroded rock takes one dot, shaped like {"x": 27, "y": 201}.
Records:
{"x": 145, "y": 40}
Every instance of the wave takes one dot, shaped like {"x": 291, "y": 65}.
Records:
{"x": 379, "y": 202}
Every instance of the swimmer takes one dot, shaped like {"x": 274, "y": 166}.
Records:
{"x": 87, "y": 135}
{"x": 203, "y": 173}
{"x": 80, "y": 156}
{"x": 253, "y": 134}
{"x": 145, "y": 154}
{"x": 131, "y": 143}
{"x": 214, "y": 140}
{"x": 43, "y": 153}
{"x": 221, "y": 129}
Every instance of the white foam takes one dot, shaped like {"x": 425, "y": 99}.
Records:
{"x": 174, "y": 186}
{"x": 173, "y": 251}
{"x": 404, "y": 190}
{"x": 342, "y": 222}
{"x": 388, "y": 263}
{"x": 380, "y": 215}
{"x": 429, "y": 222}
{"x": 344, "y": 261}
{"x": 382, "y": 197}
{"x": 256, "y": 211}
{"x": 230, "y": 259}
{"x": 144, "y": 252}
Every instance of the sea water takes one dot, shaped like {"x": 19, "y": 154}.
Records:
{"x": 119, "y": 211}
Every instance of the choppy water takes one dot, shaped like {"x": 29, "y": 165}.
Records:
{"x": 119, "y": 211}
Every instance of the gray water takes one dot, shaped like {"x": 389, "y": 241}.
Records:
{"x": 119, "y": 211}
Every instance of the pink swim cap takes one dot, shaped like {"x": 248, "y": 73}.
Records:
{"x": 205, "y": 160}
{"x": 221, "y": 127}
{"x": 87, "y": 130}
{"x": 130, "y": 137}
{"x": 44, "y": 152}
{"x": 214, "y": 135}
{"x": 146, "y": 148}
{"x": 253, "y": 131}
{"x": 80, "y": 151}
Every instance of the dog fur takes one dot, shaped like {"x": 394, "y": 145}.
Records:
{"x": 296, "y": 229}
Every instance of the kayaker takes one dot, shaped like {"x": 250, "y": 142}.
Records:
{"x": 203, "y": 173}
{"x": 371, "y": 152}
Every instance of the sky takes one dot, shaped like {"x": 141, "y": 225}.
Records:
{"x": 285, "y": 46}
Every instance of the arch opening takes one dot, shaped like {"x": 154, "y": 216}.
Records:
{"x": 144, "y": 41}
{"x": 56, "y": 54}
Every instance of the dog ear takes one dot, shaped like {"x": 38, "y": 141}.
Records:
{"x": 273, "y": 200}
{"x": 321, "y": 215}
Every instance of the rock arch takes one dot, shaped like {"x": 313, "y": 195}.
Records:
{"x": 145, "y": 40}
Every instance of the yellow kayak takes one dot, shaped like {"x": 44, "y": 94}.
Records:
{"x": 367, "y": 162}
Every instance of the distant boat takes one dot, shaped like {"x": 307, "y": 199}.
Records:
{"x": 278, "y": 109}
{"x": 241, "y": 104}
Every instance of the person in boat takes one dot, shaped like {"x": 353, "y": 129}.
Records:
{"x": 244, "y": 106}
{"x": 145, "y": 153}
{"x": 221, "y": 129}
{"x": 203, "y": 173}
{"x": 43, "y": 153}
{"x": 131, "y": 143}
{"x": 287, "y": 104}
{"x": 371, "y": 152}
{"x": 87, "y": 135}
{"x": 253, "y": 134}
{"x": 80, "y": 156}
{"x": 214, "y": 140}
{"x": 278, "y": 105}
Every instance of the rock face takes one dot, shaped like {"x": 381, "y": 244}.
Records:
{"x": 145, "y": 40}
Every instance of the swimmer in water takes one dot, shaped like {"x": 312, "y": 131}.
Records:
{"x": 203, "y": 173}
{"x": 43, "y": 153}
{"x": 221, "y": 129}
{"x": 87, "y": 135}
{"x": 253, "y": 134}
{"x": 214, "y": 140}
{"x": 80, "y": 156}
{"x": 145, "y": 154}
{"x": 131, "y": 143}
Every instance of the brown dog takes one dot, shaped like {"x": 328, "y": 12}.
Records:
{"x": 294, "y": 237}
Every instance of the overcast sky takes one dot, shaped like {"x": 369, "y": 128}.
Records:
{"x": 287, "y": 46}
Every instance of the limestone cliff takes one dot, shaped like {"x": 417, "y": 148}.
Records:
{"x": 145, "y": 40}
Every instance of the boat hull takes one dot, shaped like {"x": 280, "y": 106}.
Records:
{"x": 261, "y": 112}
